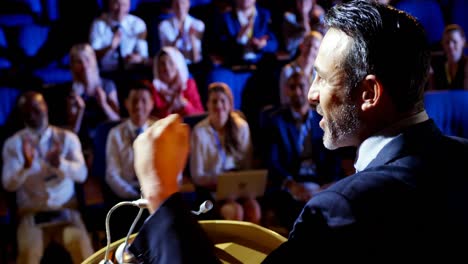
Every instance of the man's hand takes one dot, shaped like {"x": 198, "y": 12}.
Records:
{"x": 101, "y": 96}
{"x": 160, "y": 155}
{"x": 53, "y": 155}
{"x": 28, "y": 152}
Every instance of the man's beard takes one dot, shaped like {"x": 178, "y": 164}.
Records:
{"x": 340, "y": 131}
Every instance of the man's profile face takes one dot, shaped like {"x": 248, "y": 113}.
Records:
{"x": 340, "y": 116}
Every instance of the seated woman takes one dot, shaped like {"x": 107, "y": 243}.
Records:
{"x": 221, "y": 142}
{"x": 91, "y": 99}
{"x": 450, "y": 71}
{"x": 174, "y": 90}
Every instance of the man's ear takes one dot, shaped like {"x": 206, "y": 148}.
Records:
{"x": 371, "y": 93}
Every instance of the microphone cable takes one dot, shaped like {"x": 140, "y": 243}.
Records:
{"x": 106, "y": 259}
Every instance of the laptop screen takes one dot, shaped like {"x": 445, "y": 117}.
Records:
{"x": 241, "y": 184}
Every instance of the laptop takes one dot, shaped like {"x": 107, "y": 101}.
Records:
{"x": 241, "y": 184}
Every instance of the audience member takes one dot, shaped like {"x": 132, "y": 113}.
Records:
{"x": 183, "y": 32}
{"x": 90, "y": 99}
{"x": 299, "y": 165}
{"x": 120, "y": 175}
{"x": 119, "y": 38}
{"x": 304, "y": 62}
{"x": 243, "y": 35}
{"x": 174, "y": 91}
{"x": 221, "y": 142}
{"x": 407, "y": 199}
{"x": 451, "y": 70}
{"x": 42, "y": 164}
{"x": 307, "y": 16}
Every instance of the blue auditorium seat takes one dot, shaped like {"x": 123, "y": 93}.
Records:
{"x": 194, "y": 3}
{"x": 13, "y": 20}
{"x": 31, "y": 38}
{"x": 19, "y": 12}
{"x": 4, "y": 62}
{"x": 429, "y": 13}
{"x": 54, "y": 73}
{"x": 449, "y": 110}
{"x": 8, "y": 96}
{"x": 236, "y": 80}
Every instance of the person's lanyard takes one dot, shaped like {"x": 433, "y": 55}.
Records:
{"x": 303, "y": 133}
{"x": 221, "y": 151}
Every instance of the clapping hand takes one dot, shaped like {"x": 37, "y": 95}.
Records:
{"x": 28, "y": 151}
{"x": 53, "y": 155}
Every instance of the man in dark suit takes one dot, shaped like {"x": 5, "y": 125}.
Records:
{"x": 299, "y": 164}
{"x": 407, "y": 200}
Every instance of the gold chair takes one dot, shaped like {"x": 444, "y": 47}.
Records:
{"x": 235, "y": 241}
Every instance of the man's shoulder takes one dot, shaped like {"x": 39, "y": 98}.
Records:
{"x": 281, "y": 114}
{"x": 65, "y": 133}
{"x": 133, "y": 19}
{"x": 201, "y": 126}
{"x": 118, "y": 127}
{"x": 16, "y": 137}
{"x": 197, "y": 22}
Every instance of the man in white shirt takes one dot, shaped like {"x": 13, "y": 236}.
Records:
{"x": 42, "y": 163}
{"x": 120, "y": 175}
{"x": 183, "y": 32}
{"x": 119, "y": 38}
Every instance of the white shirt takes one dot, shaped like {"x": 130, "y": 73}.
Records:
{"x": 42, "y": 186}
{"x": 243, "y": 18}
{"x": 101, "y": 35}
{"x": 120, "y": 172}
{"x": 370, "y": 148}
{"x": 169, "y": 30}
{"x": 207, "y": 159}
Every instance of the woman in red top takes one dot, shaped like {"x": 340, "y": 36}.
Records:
{"x": 174, "y": 90}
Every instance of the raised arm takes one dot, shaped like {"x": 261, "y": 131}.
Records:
{"x": 171, "y": 234}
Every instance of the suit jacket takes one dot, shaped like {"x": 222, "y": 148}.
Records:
{"x": 408, "y": 204}
{"x": 226, "y": 29}
{"x": 284, "y": 152}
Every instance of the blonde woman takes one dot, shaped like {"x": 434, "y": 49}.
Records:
{"x": 92, "y": 99}
{"x": 221, "y": 142}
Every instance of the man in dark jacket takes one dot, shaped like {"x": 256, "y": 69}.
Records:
{"x": 407, "y": 200}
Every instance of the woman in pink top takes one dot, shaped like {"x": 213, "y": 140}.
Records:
{"x": 174, "y": 90}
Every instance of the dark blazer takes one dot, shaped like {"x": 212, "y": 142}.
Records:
{"x": 439, "y": 78}
{"x": 284, "y": 155}
{"x": 226, "y": 29}
{"x": 410, "y": 203}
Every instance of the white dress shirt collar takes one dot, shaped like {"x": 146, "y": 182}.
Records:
{"x": 133, "y": 127}
{"x": 370, "y": 148}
